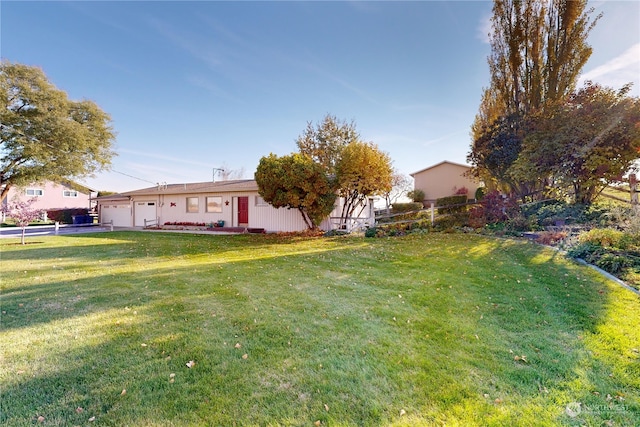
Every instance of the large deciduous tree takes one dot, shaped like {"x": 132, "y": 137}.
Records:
{"x": 584, "y": 143}
{"x": 332, "y": 162}
{"x": 44, "y": 135}
{"x": 296, "y": 182}
{"x": 359, "y": 169}
{"x": 495, "y": 150}
{"x": 324, "y": 142}
{"x": 362, "y": 171}
{"x": 538, "y": 49}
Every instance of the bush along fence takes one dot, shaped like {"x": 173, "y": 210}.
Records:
{"x": 69, "y": 216}
{"x": 445, "y": 213}
{"x": 494, "y": 211}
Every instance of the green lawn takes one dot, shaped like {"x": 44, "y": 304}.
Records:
{"x": 438, "y": 329}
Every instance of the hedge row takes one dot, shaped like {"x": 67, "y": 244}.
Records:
{"x": 65, "y": 216}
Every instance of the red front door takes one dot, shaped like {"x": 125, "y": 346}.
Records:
{"x": 243, "y": 210}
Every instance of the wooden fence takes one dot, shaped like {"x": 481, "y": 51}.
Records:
{"x": 431, "y": 213}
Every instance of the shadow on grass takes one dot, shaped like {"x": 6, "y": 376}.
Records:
{"x": 349, "y": 326}
{"x": 124, "y": 272}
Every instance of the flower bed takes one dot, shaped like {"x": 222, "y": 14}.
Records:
{"x": 184, "y": 227}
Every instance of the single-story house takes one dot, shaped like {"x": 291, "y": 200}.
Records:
{"x": 444, "y": 179}
{"x": 53, "y": 195}
{"x": 236, "y": 202}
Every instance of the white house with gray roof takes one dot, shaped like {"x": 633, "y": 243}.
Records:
{"x": 235, "y": 202}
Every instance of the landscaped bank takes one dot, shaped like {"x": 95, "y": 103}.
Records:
{"x": 156, "y": 329}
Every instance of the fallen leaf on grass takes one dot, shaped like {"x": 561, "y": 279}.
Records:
{"x": 238, "y": 345}
{"x": 92, "y": 419}
{"x": 402, "y": 412}
{"x": 522, "y": 358}
{"x": 245, "y": 356}
{"x": 317, "y": 423}
{"x": 124, "y": 391}
{"x": 79, "y": 410}
{"x": 191, "y": 364}
{"x": 40, "y": 419}
{"x": 326, "y": 407}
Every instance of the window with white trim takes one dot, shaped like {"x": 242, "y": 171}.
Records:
{"x": 214, "y": 204}
{"x": 69, "y": 193}
{"x": 260, "y": 201}
{"x": 193, "y": 205}
{"x": 35, "y": 192}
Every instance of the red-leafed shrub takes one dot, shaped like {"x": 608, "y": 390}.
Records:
{"x": 477, "y": 219}
{"x": 498, "y": 207}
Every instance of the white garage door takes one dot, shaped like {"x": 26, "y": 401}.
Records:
{"x": 144, "y": 210}
{"x": 119, "y": 214}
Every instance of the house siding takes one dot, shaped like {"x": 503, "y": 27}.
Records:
{"x": 171, "y": 206}
{"x": 443, "y": 180}
{"x": 52, "y": 196}
{"x": 272, "y": 219}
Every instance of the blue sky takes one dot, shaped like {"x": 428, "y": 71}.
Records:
{"x": 193, "y": 86}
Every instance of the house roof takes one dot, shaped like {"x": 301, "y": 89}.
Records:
{"x": 440, "y": 164}
{"x": 112, "y": 197}
{"x": 79, "y": 187}
{"x": 71, "y": 184}
{"x": 197, "y": 187}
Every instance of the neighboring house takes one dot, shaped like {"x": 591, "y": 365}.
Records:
{"x": 235, "y": 202}
{"x": 444, "y": 179}
{"x": 53, "y": 195}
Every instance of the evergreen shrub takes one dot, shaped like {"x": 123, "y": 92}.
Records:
{"x": 452, "y": 204}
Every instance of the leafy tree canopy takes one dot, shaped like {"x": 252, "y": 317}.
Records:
{"x": 324, "y": 141}
{"x": 585, "y": 143}
{"x": 362, "y": 171}
{"x": 495, "y": 150}
{"x": 296, "y": 182}
{"x": 44, "y": 135}
{"x": 332, "y": 161}
{"x": 538, "y": 49}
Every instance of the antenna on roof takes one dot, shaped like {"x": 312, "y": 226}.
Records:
{"x": 214, "y": 172}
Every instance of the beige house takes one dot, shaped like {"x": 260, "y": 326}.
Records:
{"x": 444, "y": 179}
{"x": 236, "y": 202}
